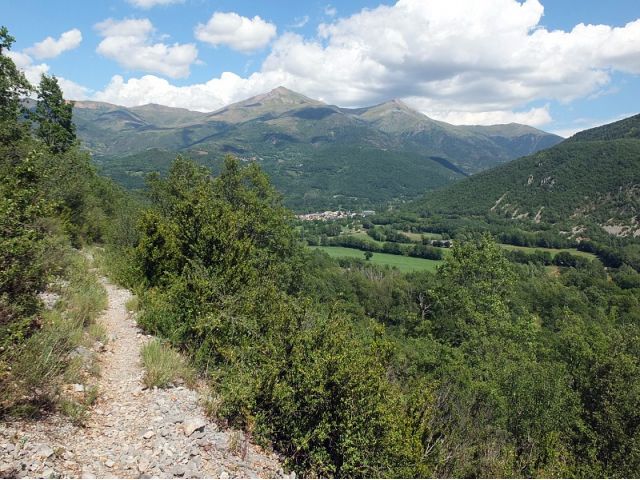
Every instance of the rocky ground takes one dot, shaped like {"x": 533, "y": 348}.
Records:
{"x": 131, "y": 432}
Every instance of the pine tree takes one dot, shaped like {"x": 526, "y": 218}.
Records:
{"x": 54, "y": 116}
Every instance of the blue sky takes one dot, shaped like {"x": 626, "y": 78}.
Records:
{"x": 462, "y": 61}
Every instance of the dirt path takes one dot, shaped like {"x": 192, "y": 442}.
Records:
{"x": 131, "y": 432}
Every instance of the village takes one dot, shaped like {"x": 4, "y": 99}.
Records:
{"x": 334, "y": 215}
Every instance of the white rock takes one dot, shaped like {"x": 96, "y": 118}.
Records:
{"x": 109, "y": 463}
{"x": 143, "y": 465}
{"x": 149, "y": 434}
{"x": 224, "y": 474}
{"x": 44, "y": 452}
{"x": 78, "y": 387}
{"x": 193, "y": 424}
{"x": 48, "y": 473}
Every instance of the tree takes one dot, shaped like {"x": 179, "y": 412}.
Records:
{"x": 477, "y": 282}
{"x": 54, "y": 116}
{"x": 368, "y": 255}
{"x": 13, "y": 86}
{"x": 21, "y": 206}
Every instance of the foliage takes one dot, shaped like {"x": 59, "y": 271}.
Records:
{"x": 50, "y": 199}
{"x": 590, "y": 179}
{"x": 268, "y": 354}
{"x": 13, "y": 86}
{"x": 54, "y": 116}
{"x": 37, "y": 364}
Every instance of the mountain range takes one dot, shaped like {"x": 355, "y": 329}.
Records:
{"x": 317, "y": 155}
{"x": 592, "y": 178}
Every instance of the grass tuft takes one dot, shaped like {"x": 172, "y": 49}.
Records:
{"x": 133, "y": 304}
{"x": 164, "y": 366}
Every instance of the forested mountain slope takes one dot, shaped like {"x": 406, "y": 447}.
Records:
{"x": 592, "y": 177}
{"x": 318, "y": 155}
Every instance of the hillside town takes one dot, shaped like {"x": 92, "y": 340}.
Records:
{"x": 334, "y": 215}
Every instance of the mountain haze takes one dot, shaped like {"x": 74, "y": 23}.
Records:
{"x": 318, "y": 155}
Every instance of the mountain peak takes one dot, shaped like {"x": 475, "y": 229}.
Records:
{"x": 397, "y": 103}
{"x": 282, "y": 95}
{"x": 282, "y": 91}
{"x": 276, "y": 101}
{"x": 395, "y": 107}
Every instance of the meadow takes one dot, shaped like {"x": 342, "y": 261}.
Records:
{"x": 401, "y": 262}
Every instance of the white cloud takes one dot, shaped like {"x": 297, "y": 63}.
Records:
{"x": 536, "y": 116}
{"x": 330, "y": 11}
{"x": 463, "y": 61}
{"x": 128, "y": 42}
{"x": 204, "y": 97}
{"x": 25, "y": 63}
{"x": 50, "y": 47}
{"x": 73, "y": 90}
{"x": 239, "y": 33}
{"x": 33, "y": 72}
{"x": 580, "y": 124}
{"x": 146, "y": 4}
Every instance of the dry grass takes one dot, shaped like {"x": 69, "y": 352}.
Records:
{"x": 43, "y": 362}
{"x": 133, "y": 304}
{"x": 164, "y": 366}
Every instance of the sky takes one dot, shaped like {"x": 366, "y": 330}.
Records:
{"x": 559, "y": 65}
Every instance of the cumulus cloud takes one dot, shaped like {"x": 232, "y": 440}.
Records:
{"x": 535, "y": 116}
{"x": 128, "y": 42}
{"x": 50, "y": 47}
{"x": 239, "y": 33}
{"x": 146, "y": 4}
{"x": 463, "y": 61}
{"x": 203, "y": 97}
{"x": 33, "y": 72}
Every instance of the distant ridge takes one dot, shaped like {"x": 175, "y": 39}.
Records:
{"x": 318, "y": 155}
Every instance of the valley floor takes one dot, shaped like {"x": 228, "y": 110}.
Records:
{"x": 131, "y": 432}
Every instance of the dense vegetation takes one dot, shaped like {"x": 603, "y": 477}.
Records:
{"x": 312, "y": 178}
{"x": 589, "y": 180}
{"x": 487, "y": 368}
{"x": 51, "y": 200}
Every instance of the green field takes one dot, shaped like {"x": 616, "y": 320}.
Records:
{"x": 402, "y": 263}
{"x": 411, "y": 264}
{"x": 552, "y": 251}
